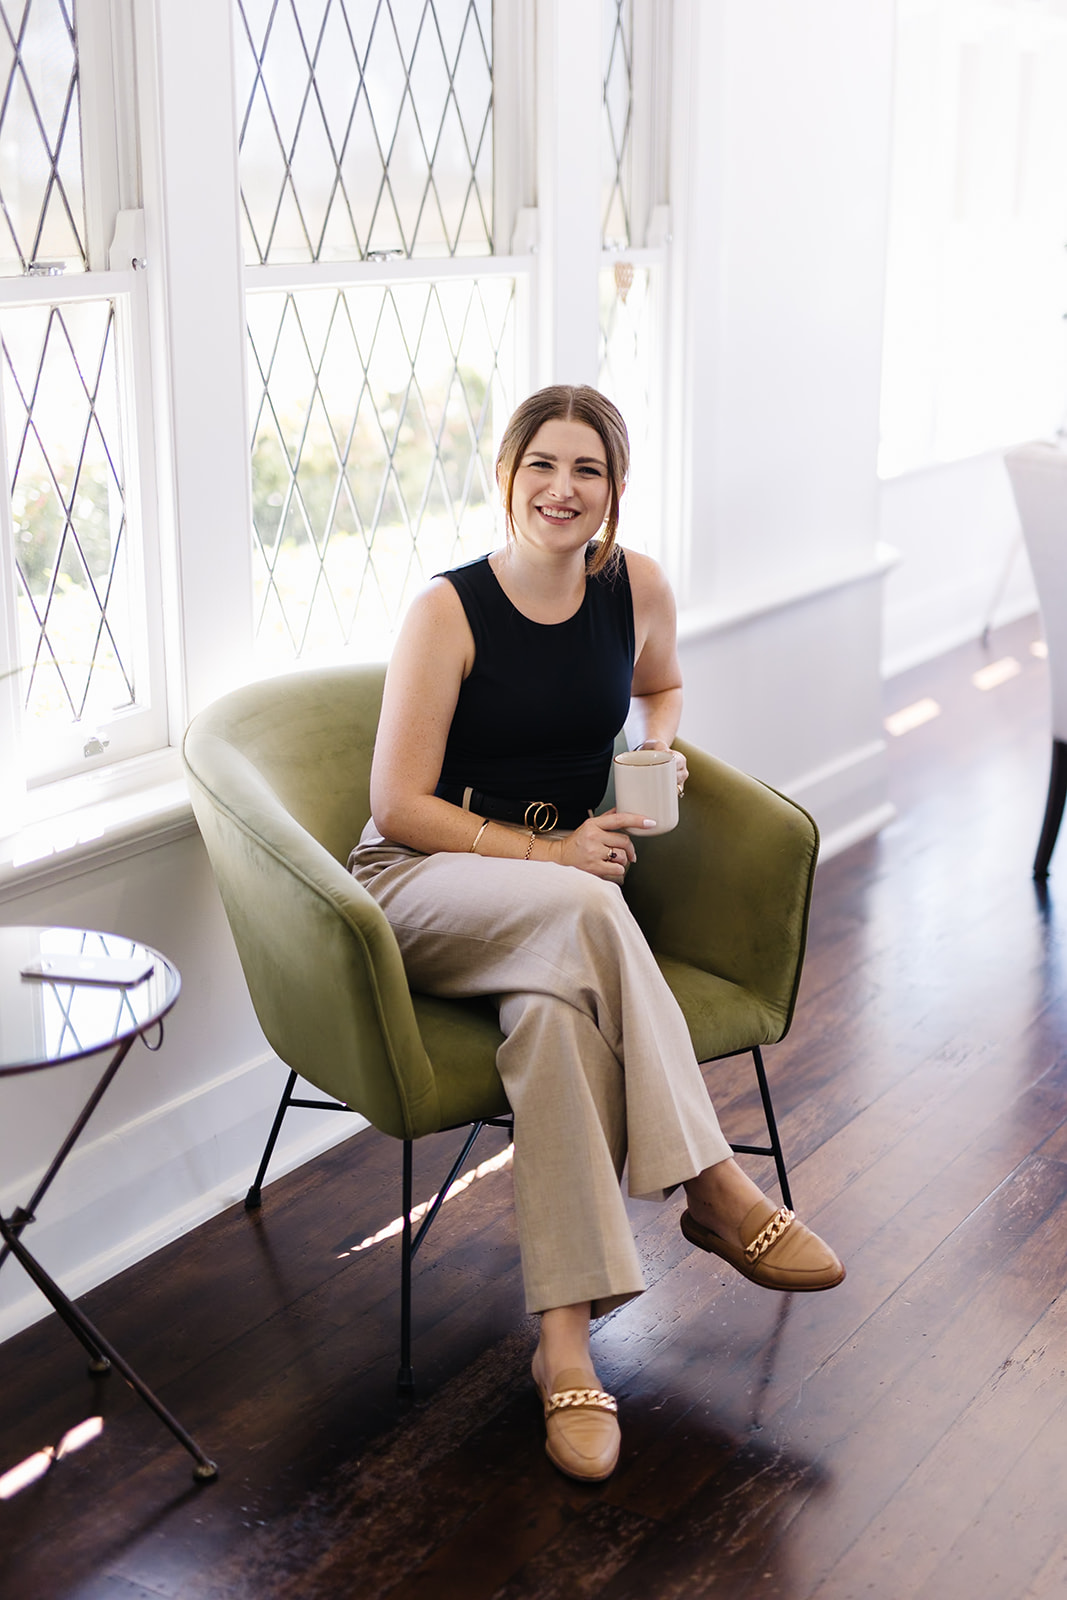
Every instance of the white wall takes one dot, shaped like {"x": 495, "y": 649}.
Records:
{"x": 962, "y": 564}
{"x": 975, "y": 339}
{"x": 785, "y": 189}
{"x": 793, "y": 694}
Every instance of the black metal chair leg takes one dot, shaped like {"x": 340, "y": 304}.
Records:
{"x": 405, "y": 1378}
{"x": 410, "y": 1242}
{"x": 255, "y": 1193}
{"x": 286, "y": 1103}
{"x": 1057, "y": 794}
{"x": 772, "y": 1128}
{"x": 774, "y": 1147}
{"x": 442, "y": 1193}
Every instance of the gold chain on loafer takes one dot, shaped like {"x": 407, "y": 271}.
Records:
{"x": 592, "y": 1399}
{"x": 769, "y": 1234}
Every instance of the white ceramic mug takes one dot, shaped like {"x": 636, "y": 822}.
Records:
{"x": 646, "y": 781}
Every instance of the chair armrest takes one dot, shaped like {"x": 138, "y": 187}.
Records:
{"x": 728, "y": 890}
{"x": 322, "y": 965}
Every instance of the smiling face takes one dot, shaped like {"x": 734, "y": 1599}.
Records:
{"x": 603, "y": 431}
{"x": 562, "y": 490}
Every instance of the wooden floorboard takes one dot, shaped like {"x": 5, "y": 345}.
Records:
{"x": 902, "y": 1437}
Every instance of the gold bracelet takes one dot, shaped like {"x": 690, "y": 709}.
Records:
{"x": 474, "y": 847}
{"x": 529, "y": 848}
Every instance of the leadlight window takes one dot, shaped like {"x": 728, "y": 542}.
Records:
{"x": 628, "y": 340}
{"x": 69, "y": 511}
{"x": 42, "y": 209}
{"x": 376, "y": 397}
{"x": 617, "y": 123}
{"x": 375, "y": 413}
{"x": 366, "y": 128}
{"x": 73, "y": 624}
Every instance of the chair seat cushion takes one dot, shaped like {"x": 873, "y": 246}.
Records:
{"x": 721, "y": 1016}
{"x": 461, "y": 1038}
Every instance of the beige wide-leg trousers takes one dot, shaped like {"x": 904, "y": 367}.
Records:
{"x": 597, "y": 1061}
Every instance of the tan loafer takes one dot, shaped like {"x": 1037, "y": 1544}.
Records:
{"x": 778, "y": 1251}
{"x": 581, "y": 1426}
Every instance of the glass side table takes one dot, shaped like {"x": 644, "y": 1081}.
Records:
{"x": 78, "y": 1009}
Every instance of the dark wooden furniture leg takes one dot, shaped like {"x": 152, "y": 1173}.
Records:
{"x": 1057, "y": 794}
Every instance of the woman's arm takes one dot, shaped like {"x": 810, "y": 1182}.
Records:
{"x": 656, "y": 695}
{"x": 432, "y": 656}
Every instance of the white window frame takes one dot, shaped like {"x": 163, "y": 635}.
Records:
{"x": 188, "y": 128}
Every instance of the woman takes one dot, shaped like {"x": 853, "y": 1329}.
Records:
{"x": 507, "y": 687}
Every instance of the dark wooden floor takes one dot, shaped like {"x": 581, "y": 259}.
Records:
{"x": 903, "y": 1436}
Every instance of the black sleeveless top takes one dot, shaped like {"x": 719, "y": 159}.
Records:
{"x": 538, "y": 715}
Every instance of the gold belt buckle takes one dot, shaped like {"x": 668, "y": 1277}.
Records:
{"x": 541, "y": 815}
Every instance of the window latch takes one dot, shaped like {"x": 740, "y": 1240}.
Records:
{"x": 95, "y": 746}
{"x": 128, "y": 246}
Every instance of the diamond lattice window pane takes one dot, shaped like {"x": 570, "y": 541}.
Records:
{"x": 617, "y": 123}
{"x": 366, "y": 127}
{"x": 42, "y": 209}
{"x": 68, "y": 503}
{"x": 627, "y": 357}
{"x": 376, "y": 414}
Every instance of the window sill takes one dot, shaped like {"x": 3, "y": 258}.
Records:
{"x": 696, "y": 622}
{"x": 86, "y": 822}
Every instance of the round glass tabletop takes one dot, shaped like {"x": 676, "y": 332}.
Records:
{"x": 71, "y": 992}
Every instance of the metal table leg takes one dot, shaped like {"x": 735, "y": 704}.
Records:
{"x": 102, "y": 1354}
{"x": 100, "y": 1348}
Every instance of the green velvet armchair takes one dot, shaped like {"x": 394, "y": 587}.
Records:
{"x": 279, "y": 774}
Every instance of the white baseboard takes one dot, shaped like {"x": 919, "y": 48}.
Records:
{"x": 864, "y": 827}
{"x": 931, "y": 636}
{"x": 847, "y": 797}
{"x": 126, "y": 1194}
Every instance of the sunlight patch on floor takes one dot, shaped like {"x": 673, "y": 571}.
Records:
{"x": 464, "y": 1181}
{"x": 996, "y": 673}
{"x": 37, "y": 1465}
{"x": 912, "y": 716}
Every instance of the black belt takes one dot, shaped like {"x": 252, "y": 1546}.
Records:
{"x": 539, "y": 815}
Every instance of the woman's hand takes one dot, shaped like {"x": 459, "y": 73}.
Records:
{"x": 599, "y": 846}
{"x": 682, "y": 773}
{"x": 681, "y": 765}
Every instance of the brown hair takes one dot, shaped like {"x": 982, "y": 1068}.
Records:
{"x": 567, "y": 402}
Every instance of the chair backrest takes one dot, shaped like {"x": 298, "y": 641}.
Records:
{"x": 279, "y": 774}
{"x": 1038, "y": 474}
{"x": 311, "y": 736}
